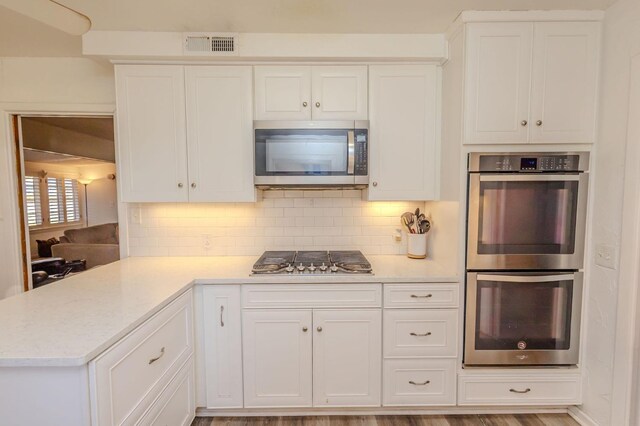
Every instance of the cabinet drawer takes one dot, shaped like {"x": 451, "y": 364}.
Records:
{"x": 520, "y": 390}
{"x": 420, "y": 333}
{"x": 421, "y": 295}
{"x": 419, "y": 382}
{"x": 127, "y": 377}
{"x": 176, "y": 405}
{"x": 312, "y": 295}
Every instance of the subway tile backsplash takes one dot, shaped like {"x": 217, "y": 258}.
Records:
{"x": 282, "y": 220}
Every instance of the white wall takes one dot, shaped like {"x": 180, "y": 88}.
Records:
{"x": 621, "y": 42}
{"x": 51, "y": 85}
{"x": 101, "y": 193}
{"x": 283, "y": 220}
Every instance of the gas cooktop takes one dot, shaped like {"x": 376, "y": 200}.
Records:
{"x": 312, "y": 262}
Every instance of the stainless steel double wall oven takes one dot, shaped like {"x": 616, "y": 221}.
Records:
{"x": 525, "y": 248}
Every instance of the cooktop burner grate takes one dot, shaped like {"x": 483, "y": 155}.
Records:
{"x": 312, "y": 262}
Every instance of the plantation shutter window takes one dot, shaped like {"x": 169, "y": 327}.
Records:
{"x": 72, "y": 203}
{"x": 32, "y": 199}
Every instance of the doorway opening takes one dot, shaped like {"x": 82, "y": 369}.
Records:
{"x": 67, "y": 195}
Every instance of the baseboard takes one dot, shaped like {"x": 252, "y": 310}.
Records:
{"x": 581, "y": 417}
{"x": 435, "y": 411}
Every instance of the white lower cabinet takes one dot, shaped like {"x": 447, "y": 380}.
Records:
{"x": 277, "y": 358}
{"x": 222, "y": 325}
{"x": 176, "y": 405}
{"x": 417, "y": 382}
{"x": 347, "y": 357}
{"x": 420, "y": 332}
{"x": 128, "y": 378}
{"x": 527, "y": 388}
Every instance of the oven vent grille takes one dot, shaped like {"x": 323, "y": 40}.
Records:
{"x": 207, "y": 44}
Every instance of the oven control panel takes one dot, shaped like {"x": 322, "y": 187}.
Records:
{"x": 529, "y": 163}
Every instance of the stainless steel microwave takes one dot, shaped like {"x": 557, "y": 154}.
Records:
{"x": 311, "y": 154}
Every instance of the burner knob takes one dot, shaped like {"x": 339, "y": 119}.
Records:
{"x": 312, "y": 268}
{"x": 289, "y": 269}
{"x": 323, "y": 267}
{"x": 301, "y": 267}
{"x": 334, "y": 268}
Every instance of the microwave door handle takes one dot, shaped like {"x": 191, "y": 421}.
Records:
{"x": 351, "y": 152}
{"x": 525, "y": 279}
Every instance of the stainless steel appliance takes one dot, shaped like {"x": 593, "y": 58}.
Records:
{"x": 521, "y": 318}
{"x": 527, "y": 211}
{"x": 312, "y": 263}
{"x": 525, "y": 246}
{"x": 311, "y": 153}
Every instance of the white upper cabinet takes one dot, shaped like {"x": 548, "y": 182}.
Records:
{"x": 174, "y": 147}
{"x": 310, "y": 93}
{"x": 563, "y": 91}
{"x": 283, "y": 92}
{"x": 220, "y": 133}
{"x": 152, "y": 150}
{"x": 347, "y": 360}
{"x": 404, "y": 131}
{"x": 531, "y": 82}
{"x": 497, "y": 89}
{"x": 339, "y": 93}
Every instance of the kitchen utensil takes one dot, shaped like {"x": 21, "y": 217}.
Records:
{"x": 408, "y": 221}
{"x": 424, "y": 226}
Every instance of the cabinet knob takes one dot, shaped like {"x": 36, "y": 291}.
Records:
{"x": 180, "y": 185}
{"x": 317, "y": 104}
{"x": 304, "y": 104}
{"x": 193, "y": 185}
{"x": 539, "y": 123}
{"x": 305, "y": 329}
{"x": 375, "y": 183}
{"x": 524, "y": 123}
{"x": 319, "y": 329}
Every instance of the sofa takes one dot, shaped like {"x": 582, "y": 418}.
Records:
{"x": 98, "y": 245}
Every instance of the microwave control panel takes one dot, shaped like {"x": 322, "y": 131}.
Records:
{"x": 529, "y": 163}
{"x": 361, "y": 152}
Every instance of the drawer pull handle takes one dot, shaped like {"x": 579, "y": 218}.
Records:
{"x": 428, "y": 333}
{"x": 419, "y": 384}
{"x": 527, "y": 390}
{"x": 152, "y": 360}
{"x": 221, "y": 319}
{"x": 415, "y": 296}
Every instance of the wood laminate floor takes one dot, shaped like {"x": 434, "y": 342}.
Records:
{"x": 461, "y": 420}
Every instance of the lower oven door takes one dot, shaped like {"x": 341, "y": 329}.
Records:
{"x": 523, "y": 318}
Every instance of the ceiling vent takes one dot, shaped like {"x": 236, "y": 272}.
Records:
{"x": 210, "y": 44}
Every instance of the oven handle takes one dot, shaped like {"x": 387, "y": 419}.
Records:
{"x": 351, "y": 148}
{"x": 526, "y": 278}
{"x": 527, "y": 178}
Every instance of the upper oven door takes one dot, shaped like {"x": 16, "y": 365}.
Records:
{"x": 526, "y": 221}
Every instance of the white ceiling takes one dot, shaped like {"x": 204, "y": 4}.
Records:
{"x": 45, "y": 157}
{"x": 23, "y": 36}
{"x": 299, "y": 16}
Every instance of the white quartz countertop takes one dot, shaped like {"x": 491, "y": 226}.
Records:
{"x": 71, "y": 322}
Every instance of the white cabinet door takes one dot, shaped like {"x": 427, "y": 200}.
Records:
{"x": 283, "y": 92}
{"x": 339, "y": 92}
{"x": 277, "y": 358}
{"x": 347, "y": 357}
{"x": 222, "y": 346}
{"x": 220, "y": 133}
{"x": 404, "y": 147}
{"x": 563, "y": 94}
{"x": 152, "y": 146}
{"x": 498, "y": 70}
